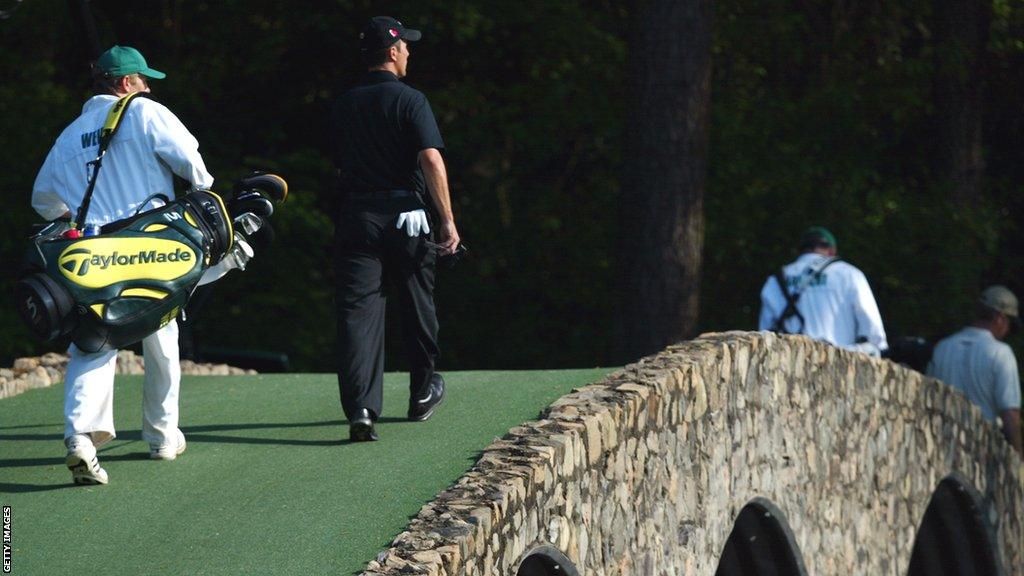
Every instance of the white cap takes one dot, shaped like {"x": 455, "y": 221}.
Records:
{"x": 1000, "y": 299}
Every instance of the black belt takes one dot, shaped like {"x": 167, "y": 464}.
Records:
{"x": 382, "y": 195}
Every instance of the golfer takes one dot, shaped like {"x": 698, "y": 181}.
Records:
{"x": 387, "y": 149}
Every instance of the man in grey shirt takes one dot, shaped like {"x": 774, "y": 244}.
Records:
{"x": 975, "y": 362}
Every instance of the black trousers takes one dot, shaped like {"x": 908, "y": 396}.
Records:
{"x": 373, "y": 259}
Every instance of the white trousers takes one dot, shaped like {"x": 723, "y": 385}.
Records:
{"x": 89, "y": 391}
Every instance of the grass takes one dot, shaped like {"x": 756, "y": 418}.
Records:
{"x": 269, "y": 484}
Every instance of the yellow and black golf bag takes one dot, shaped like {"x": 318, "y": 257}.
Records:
{"x": 113, "y": 289}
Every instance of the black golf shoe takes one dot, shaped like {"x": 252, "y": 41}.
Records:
{"x": 422, "y": 408}
{"x": 360, "y": 428}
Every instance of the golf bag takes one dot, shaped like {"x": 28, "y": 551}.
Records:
{"x": 113, "y": 289}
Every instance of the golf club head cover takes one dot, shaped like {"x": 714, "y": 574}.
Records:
{"x": 270, "y": 185}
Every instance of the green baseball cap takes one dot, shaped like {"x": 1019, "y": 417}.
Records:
{"x": 124, "y": 60}
{"x": 817, "y": 236}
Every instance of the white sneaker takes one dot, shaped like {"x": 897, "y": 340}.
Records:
{"x": 169, "y": 451}
{"x": 82, "y": 461}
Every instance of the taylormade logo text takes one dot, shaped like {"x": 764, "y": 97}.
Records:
{"x": 87, "y": 260}
{"x": 101, "y": 261}
{"x": 116, "y": 259}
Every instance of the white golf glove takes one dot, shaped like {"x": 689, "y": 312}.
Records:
{"x": 415, "y": 223}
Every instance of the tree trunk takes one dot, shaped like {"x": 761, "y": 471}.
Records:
{"x": 961, "y": 34}
{"x": 662, "y": 199}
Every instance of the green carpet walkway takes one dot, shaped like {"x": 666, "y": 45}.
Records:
{"x": 269, "y": 483}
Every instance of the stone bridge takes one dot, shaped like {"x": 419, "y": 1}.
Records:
{"x": 734, "y": 454}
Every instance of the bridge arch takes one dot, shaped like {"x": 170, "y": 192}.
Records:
{"x": 546, "y": 560}
{"x": 954, "y": 537}
{"x": 761, "y": 544}
{"x": 645, "y": 472}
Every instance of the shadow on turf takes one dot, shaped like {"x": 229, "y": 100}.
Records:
{"x": 224, "y": 427}
{"x": 32, "y": 436}
{"x": 19, "y": 462}
{"x": 25, "y": 462}
{"x": 193, "y": 432}
{"x": 18, "y": 488}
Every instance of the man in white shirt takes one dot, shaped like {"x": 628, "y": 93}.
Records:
{"x": 149, "y": 149}
{"x": 975, "y": 362}
{"x": 821, "y": 296}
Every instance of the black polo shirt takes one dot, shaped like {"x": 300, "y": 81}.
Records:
{"x": 377, "y": 130}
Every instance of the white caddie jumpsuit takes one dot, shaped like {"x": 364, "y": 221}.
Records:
{"x": 150, "y": 146}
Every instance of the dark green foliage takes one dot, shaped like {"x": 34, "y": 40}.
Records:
{"x": 820, "y": 114}
{"x": 825, "y": 117}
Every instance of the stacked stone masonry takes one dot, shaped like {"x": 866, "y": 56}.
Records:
{"x": 645, "y": 472}
{"x": 48, "y": 369}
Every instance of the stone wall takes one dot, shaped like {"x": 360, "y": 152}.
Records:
{"x": 645, "y": 472}
{"x": 48, "y": 369}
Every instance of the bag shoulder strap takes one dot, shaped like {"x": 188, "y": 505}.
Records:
{"x": 790, "y": 310}
{"x": 830, "y": 262}
{"x": 114, "y": 118}
{"x": 110, "y": 127}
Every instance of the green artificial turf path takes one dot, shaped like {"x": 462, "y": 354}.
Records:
{"x": 269, "y": 483}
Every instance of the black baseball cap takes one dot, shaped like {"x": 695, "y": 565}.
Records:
{"x": 383, "y": 31}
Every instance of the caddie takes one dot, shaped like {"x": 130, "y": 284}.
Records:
{"x": 821, "y": 296}
{"x": 150, "y": 148}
